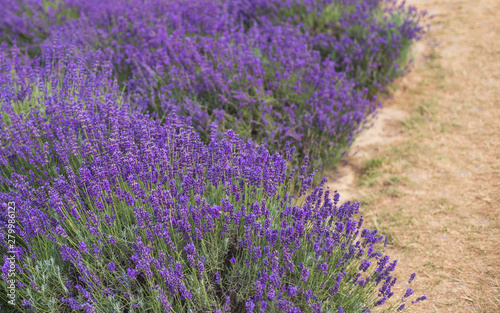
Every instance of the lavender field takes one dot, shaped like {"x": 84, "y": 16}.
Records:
{"x": 165, "y": 156}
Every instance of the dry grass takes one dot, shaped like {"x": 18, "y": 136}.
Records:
{"x": 429, "y": 177}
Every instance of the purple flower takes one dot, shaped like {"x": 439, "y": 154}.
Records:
{"x": 26, "y": 303}
{"x": 422, "y": 298}
{"x": 304, "y": 272}
{"x": 271, "y": 294}
{"x": 191, "y": 253}
{"x": 381, "y": 301}
{"x": 412, "y": 277}
{"x": 163, "y": 299}
{"x": 227, "y": 304}
{"x": 132, "y": 274}
{"x": 111, "y": 266}
{"x": 83, "y": 247}
{"x": 249, "y": 305}
{"x": 293, "y": 291}
{"x": 201, "y": 264}
{"x": 408, "y": 293}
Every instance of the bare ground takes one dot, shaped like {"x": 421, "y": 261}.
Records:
{"x": 428, "y": 172}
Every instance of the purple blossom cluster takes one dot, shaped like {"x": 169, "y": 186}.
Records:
{"x": 274, "y": 71}
{"x": 117, "y": 212}
{"x": 30, "y": 22}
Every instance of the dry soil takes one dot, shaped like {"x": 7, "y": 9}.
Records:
{"x": 428, "y": 171}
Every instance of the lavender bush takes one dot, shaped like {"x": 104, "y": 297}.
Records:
{"x": 116, "y": 212}
{"x": 274, "y": 71}
{"x": 29, "y": 22}
{"x": 369, "y": 40}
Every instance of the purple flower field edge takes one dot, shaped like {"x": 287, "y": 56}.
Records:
{"x": 116, "y": 212}
{"x": 275, "y": 71}
{"x": 161, "y": 198}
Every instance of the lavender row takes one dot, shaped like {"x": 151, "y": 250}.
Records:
{"x": 275, "y": 71}
{"x": 116, "y": 212}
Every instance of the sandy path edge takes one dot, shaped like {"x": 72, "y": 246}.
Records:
{"x": 428, "y": 172}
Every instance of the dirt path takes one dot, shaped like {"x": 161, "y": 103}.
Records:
{"x": 428, "y": 172}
